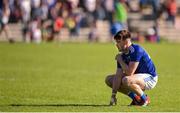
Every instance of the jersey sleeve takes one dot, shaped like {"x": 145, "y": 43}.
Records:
{"x": 136, "y": 55}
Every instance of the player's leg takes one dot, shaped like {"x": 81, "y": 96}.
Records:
{"x": 109, "y": 82}
{"x": 137, "y": 83}
{"x": 123, "y": 89}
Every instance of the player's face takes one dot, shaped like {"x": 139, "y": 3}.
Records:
{"x": 121, "y": 45}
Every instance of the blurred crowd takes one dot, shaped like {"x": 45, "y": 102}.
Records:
{"x": 43, "y": 20}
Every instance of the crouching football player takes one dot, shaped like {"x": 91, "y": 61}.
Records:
{"x": 135, "y": 71}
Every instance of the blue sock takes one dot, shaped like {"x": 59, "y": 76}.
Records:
{"x": 143, "y": 97}
{"x": 132, "y": 95}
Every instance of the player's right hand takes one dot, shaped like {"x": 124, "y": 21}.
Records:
{"x": 113, "y": 101}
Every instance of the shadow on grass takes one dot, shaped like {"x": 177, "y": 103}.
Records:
{"x": 59, "y": 105}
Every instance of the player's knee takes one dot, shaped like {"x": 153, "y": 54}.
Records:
{"x": 108, "y": 80}
{"x": 127, "y": 81}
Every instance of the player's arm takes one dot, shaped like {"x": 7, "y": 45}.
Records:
{"x": 117, "y": 80}
{"x": 128, "y": 69}
{"x": 116, "y": 84}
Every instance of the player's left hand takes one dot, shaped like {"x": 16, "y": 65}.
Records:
{"x": 113, "y": 101}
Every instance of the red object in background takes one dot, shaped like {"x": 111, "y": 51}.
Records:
{"x": 58, "y": 24}
{"x": 172, "y": 7}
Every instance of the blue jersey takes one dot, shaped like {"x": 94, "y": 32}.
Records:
{"x": 138, "y": 54}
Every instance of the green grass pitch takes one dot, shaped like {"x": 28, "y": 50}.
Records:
{"x": 70, "y": 77}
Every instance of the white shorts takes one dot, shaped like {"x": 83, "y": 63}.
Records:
{"x": 150, "y": 81}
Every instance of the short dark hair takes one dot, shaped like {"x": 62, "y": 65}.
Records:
{"x": 123, "y": 34}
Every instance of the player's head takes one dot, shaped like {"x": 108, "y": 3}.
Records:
{"x": 123, "y": 39}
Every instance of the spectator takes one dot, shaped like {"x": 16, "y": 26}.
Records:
{"x": 35, "y": 9}
{"x": 171, "y": 10}
{"x": 155, "y": 7}
{"x": 25, "y": 6}
{"x": 93, "y": 35}
{"x": 109, "y": 9}
{"x": 99, "y": 11}
{"x": 4, "y": 16}
{"x": 120, "y": 14}
{"x": 15, "y": 11}
{"x": 55, "y": 18}
{"x": 90, "y": 7}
